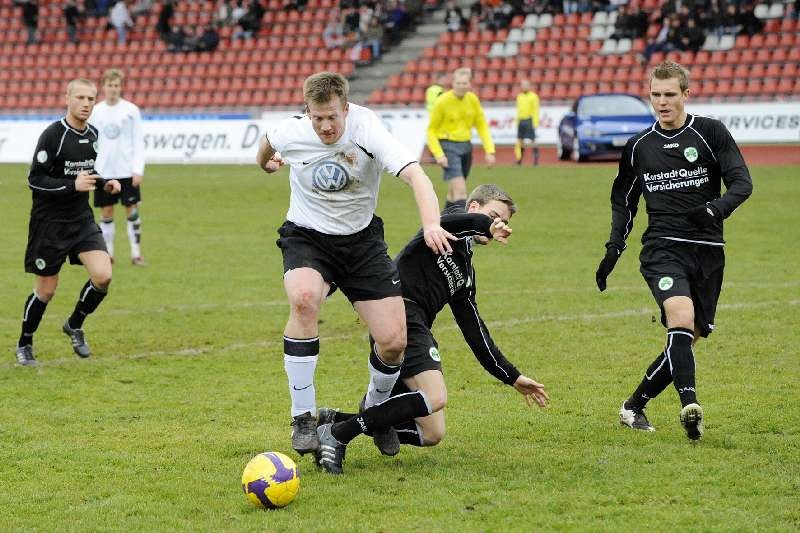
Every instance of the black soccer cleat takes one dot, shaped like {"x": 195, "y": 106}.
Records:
{"x": 692, "y": 421}
{"x": 330, "y": 455}
{"x": 387, "y": 441}
{"x": 634, "y": 419}
{"x": 25, "y": 355}
{"x": 304, "y": 433}
{"x": 79, "y": 345}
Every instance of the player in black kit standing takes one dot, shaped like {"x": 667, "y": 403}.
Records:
{"x": 678, "y": 165}
{"x": 62, "y": 223}
{"x": 430, "y": 282}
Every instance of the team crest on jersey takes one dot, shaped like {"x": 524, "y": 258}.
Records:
{"x": 330, "y": 176}
{"x": 434, "y": 353}
{"x": 41, "y": 156}
{"x": 665, "y": 283}
{"x": 40, "y": 263}
{"x": 112, "y": 131}
{"x": 690, "y": 154}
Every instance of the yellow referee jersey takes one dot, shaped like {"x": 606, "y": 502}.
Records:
{"x": 528, "y": 107}
{"x": 453, "y": 118}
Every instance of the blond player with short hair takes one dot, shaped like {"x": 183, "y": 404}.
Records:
{"x": 120, "y": 156}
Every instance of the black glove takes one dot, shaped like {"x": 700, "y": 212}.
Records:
{"x": 606, "y": 266}
{"x": 704, "y": 215}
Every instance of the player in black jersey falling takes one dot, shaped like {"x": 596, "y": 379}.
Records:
{"x": 429, "y": 282}
{"x": 678, "y": 165}
{"x": 62, "y": 223}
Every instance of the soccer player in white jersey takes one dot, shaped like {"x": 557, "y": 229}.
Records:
{"x": 332, "y": 238}
{"x": 120, "y": 156}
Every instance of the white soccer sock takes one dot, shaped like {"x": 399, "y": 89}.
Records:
{"x": 135, "y": 233}
{"x": 108, "y": 229}
{"x": 382, "y": 379}
{"x": 300, "y": 370}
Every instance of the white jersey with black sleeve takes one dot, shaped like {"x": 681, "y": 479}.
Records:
{"x": 334, "y": 187}
{"x": 121, "y": 152}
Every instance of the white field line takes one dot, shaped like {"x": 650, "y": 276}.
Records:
{"x": 360, "y": 333}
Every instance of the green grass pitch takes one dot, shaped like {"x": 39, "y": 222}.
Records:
{"x": 186, "y": 382}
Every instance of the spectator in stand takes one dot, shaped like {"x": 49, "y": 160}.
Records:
{"x": 250, "y": 23}
{"x": 164, "y": 24}
{"x": 333, "y": 34}
{"x": 730, "y": 22}
{"x": 141, "y": 7}
{"x": 351, "y": 19}
{"x": 224, "y": 13}
{"x": 209, "y": 41}
{"x": 454, "y": 17}
{"x": 238, "y": 12}
{"x": 397, "y": 20}
{"x": 176, "y": 39}
{"x": 121, "y": 19}
{"x": 499, "y": 17}
{"x": 748, "y": 21}
{"x": 373, "y": 37}
{"x": 71, "y": 17}
{"x": 629, "y": 23}
{"x": 668, "y": 38}
{"x": 30, "y": 19}
{"x": 691, "y": 36}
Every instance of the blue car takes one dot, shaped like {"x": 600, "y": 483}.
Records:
{"x": 599, "y": 125}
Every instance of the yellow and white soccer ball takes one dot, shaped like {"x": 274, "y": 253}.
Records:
{"x": 271, "y": 480}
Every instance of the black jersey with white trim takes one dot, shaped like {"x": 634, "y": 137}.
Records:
{"x": 676, "y": 171}
{"x": 61, "y": 153}
{"x": 433, "y": 281}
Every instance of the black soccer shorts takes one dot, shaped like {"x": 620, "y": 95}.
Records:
{"x": 673, "y": 268}
{"x": 358, "y": 264}
{"x": 525, "y": 129}
{"x": 422, "y": 350}
{"x": 128, "y": 195}
{"x": 51, "y": 243}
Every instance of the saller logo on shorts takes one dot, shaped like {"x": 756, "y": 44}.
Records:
{"x": 690, "y": 154}
{"x": 330, "y": 176}
{"x": 665, "y": 283}
{"x": 40, "y": 263}
{"x": 434, "y": 353}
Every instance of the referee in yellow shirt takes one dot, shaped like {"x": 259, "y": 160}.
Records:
{"x": 527, "y": 121}
{"x": 454, "y": 115}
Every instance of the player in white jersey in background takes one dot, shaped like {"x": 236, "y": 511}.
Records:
{"x": 120, "y": 156}
{"x": 332, "y": 238}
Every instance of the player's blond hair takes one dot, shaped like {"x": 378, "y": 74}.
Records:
{"x": 483, "y": 194}
{"x": 321, "y": 87}
{"x": 112, "y": 74}
{"x": 463, "y": 71}
{"x": 80, "y": 81}
{"x": 670, "y": 69}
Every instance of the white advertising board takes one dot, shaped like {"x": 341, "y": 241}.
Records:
{"x": 236, "y": 141}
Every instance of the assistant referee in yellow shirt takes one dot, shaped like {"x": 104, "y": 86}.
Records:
{"x": 527, "y": 121}
{"x": 454, "y": 115}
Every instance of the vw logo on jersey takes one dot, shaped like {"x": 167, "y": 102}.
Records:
{"x": 112, "y": 131}
{"x": 330, "y": 176}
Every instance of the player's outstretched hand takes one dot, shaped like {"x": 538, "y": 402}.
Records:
{"x": 606, "y": 266}
{"x": 442, "y": 161}
{"x": 704, "y": 215}
{"x": 500, "y": 231}
{"x": 85, "y": 182}
{"x": 532, "y": 391}
{"x": 438, "y": 239}
{"x": 112, "y": 187}
{"x": 274, "y": 163}
{"x": 490, "y": 160}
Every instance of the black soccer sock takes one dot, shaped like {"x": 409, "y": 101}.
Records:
{"x": 681, "y": 360}
{"x": 31, "y": 316}
{"x": 340, "y": 416}
{"x": 409, "y": 433}
{"x": 535, "y": 156}
{"x": 656, "y": 379}
{"x": 90, "y": 297}
{"x": 384, "y": 415}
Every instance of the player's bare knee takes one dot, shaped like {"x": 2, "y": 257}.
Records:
{"x": 392, "y": 346}
{"x": 438, "y": 400}
{"x": 681, "y": 319}
{"x": 45, "y": 294}
{"x": 433, "y": 436}
{"x": 102, "y": 280}
{"x": 305, "y": 304}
